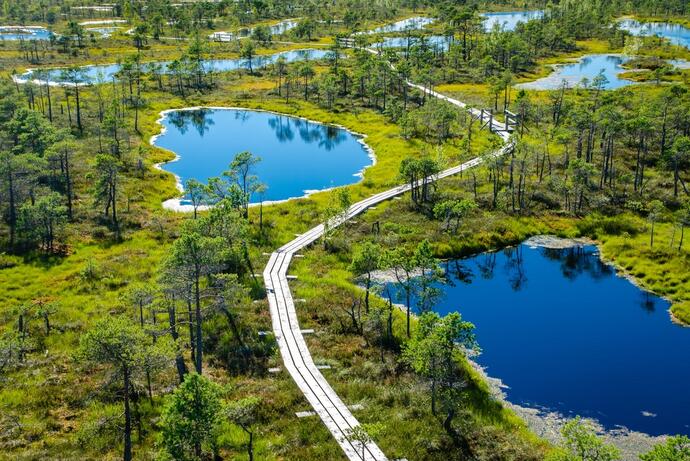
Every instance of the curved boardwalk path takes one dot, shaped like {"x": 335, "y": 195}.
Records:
{"x": 293, "y": 348}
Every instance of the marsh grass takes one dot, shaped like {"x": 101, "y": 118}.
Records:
{"x": 49, "y": 404}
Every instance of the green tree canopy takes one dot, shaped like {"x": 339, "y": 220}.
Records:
{"x": 191, "y": 418}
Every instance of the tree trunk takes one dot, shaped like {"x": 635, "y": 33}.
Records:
{"x": 113, "y": 192}
{"x": 190, "y": 317}
{"x": 199, "y": 342}
{"x": 13, "y": 206}
{"x": 366, "y": 295}
{"x": 433, "y": 397}
{"x": 250, "y": 446}
{"x": 448, "y": 421}
{"x": 76, "y": 93}
{"x": 68, "y": 186}
{"x": 179, "y": 360}
{"x": 682, "y": 232}
{"x": 407, "y": 293}
{"x": 128, "y": 420}
{"x": 50, "y": 104}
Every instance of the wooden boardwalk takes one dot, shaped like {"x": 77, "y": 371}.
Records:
{"x": 293, "y": 348}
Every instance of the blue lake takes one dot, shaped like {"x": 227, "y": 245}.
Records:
{"x": 675, "y": 33}
{"x": 566, "y": 334}
{"x": 297, "y": 156}
{"x": 105, "y": 73}
{"x": 24, "y": 33}
{"x": 586, "y": 67}
{"x": 508, "y": 21}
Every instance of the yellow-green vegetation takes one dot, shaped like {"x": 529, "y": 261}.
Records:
{"x": 661, "y": 269}
{"x": 89, "y": 281}
{"x": 673, "y": 19}
{"x": 362, "y": 375}
{"x": 53, "y": 406}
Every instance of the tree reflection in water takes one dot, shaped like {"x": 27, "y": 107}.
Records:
{"x": 200, "y": 119}
{"x": 515, "y": 267}
{"x": 327, "y": 136}
{"x": 487, "y": 265}
{"x": 455, "y": 270}
{"x": 282, "y": 128}
{"x": 578, "y": 260}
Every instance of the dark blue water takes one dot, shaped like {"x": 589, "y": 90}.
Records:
{"x": 588, "y": 67}
{"x": 675, "y": 33}
{"x": 565, "y": 333}
{"x": 24, "y": 33}
{"x": 508, "y": 21}
{"x": 105, "y": 73}
{"x": 297, "y": 156}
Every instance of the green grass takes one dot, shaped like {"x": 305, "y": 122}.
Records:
{"x": 53, "y": 427}
{"x": 661, "y": 269}
{"x": 390, "y": 395}
{"x": 53, "y": 399}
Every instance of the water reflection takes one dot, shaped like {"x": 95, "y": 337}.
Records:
{"x": 648, "y": 302}
{"x": 675, "y": 33}
{"x": 414, "y": 23}
{"x": 24, "y": 33}
{"x": 423, "y": 42}
{"x": 583, "y": 72}
{"x": 200, "y": 120}
{"x": 486, "y": 265}
{"x": 577, "y": 261}
{"x": 296, "y": 155}
{"x": 282, "y": 128}
{"x": 326, "y": 136}
{"x": 514, "y": 267}
{"x": 275, "y": 29}
{"x": 104, "y": 73}
{"x": 508, "y": 21}
{"x": 565, "y": 333}
{"x": 455, "y": 270}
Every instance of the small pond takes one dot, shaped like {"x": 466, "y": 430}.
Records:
{"x": 297, "y": 156}
{"x": 275, "y": 29}
{"x": 282, "y": 26}
{"x": 414, "y": 23}
{"x": 588, "y": 67}
{"x": 432, "y": 41}
{"x": 105, "y": 73}
{"x": 565, "y": 333}
{"x": 508, "y": 21}
{"x": 102, "y": 31}
{"x": 24, "y": 33}
{"x": 675, "y": 33}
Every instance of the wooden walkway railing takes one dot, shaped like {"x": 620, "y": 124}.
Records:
{"x": 293, "y": 348}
